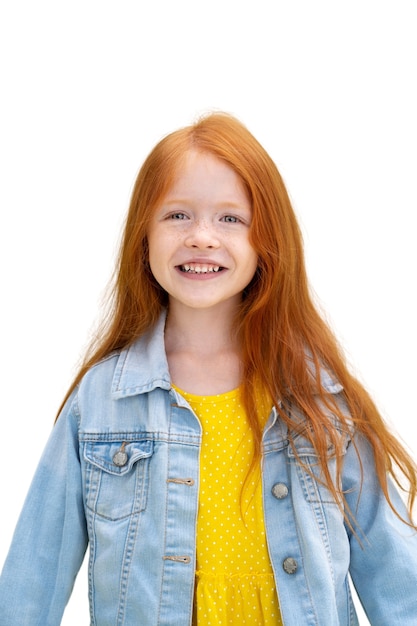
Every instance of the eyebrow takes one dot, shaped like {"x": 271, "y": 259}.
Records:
{"x": 221, "y": 205}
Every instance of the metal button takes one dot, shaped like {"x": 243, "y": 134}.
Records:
{"x": 290, "y": 565}
{"x": 280, "y": 491}
{"x": 120, "y": 458}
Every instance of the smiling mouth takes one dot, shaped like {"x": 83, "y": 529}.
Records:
{"x": 197, "y": 268}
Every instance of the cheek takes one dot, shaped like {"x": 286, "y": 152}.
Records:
{"x": 150, "y": 247}
{"x": 161, "y": 255}
{"x": 248, "y": 261}
{"x": 252, "y": 256}
{"x": 154, "y": 253}
{"x": 253, "y": 266}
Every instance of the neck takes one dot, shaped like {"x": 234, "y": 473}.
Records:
{"x": 202, "y": 331}
{"x": 203, "y": 354}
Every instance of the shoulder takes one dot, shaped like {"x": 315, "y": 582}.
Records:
{"x": 329, "y": 382}
{"x": 101, "y": 373}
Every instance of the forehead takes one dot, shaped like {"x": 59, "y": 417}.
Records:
{"x": 203, "y": 175}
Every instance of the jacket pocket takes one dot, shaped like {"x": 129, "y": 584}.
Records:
{"x": 117, "y": 477}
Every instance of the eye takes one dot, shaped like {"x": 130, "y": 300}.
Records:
{"x": 231, "y": 219}
{"x": 177, "y": 216}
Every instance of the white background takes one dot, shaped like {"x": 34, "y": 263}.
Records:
{"x": 87, "y": 89}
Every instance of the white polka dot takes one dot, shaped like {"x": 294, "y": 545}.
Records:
{"x": 230, "y": 584}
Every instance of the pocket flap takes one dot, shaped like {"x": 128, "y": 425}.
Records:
{"x": 303, "y": 447}
{"x": 102, "y": 453}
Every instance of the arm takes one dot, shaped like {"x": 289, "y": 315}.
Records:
{"x": 384, "y": 552}
{"x": 50, "y": 538}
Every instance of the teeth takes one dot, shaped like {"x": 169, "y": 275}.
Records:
{"x": 195, "y": 268}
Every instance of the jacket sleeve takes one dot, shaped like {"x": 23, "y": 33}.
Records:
{"x": 50, "y": 539}
{"x": 383, "y": 548}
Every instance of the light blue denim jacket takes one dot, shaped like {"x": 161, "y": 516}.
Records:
{"x": 120, "y": 473}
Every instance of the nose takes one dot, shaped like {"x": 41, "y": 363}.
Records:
{"x": 202, "y": 235}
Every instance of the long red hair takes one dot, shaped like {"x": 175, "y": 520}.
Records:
{"x": 284, "y": 340}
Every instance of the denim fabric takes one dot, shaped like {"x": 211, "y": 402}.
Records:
{"x": 120, "y": 474}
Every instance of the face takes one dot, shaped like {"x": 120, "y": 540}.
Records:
{"x": 199, "y": 249}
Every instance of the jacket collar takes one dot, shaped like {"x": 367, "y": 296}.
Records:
{"x": 143, "y": 366}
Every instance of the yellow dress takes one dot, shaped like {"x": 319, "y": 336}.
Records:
{"x": 234, "y": 577}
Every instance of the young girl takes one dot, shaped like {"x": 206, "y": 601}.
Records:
{"x": 214, "y": 451}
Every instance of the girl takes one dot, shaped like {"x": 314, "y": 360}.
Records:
{"x": 214, "y": 451}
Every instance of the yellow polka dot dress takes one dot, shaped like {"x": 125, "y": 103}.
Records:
{"x": 234, "y": 578}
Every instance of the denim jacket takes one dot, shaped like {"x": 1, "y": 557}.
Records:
{"x": 120, "y": 473}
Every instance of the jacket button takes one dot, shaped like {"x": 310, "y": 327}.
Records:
{"x": 280, "y": 491}
{"x": 120, "y": 458}
{"x": 290, "y": 565}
